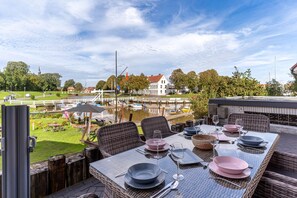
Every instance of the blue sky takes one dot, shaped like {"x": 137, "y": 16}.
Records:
{"x": 78, "y": 38}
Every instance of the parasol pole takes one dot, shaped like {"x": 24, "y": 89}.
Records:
{"x": 116, "y": 84}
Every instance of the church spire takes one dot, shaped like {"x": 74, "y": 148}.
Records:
{"x": 39, "y": 71}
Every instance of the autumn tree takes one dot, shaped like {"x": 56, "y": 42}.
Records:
{"x": 192, "y": 81}
{"x": 179, "y": 79}
{"x": 110, "y": 83}
{"x": 78, "y": 87}
{"x": 100, "y": 84}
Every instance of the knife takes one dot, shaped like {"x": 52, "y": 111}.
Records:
{"x": 165, "y": 188}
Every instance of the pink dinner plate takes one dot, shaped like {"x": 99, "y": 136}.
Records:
{"x": 165, "y": 148}
{"x": 232, "y": 128}
{"x": 212, "y": 166}
{"x": 222, "y": 137}
{"x": 230, "y": 165}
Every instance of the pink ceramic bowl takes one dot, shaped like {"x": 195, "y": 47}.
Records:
{"x": 153, "y": 143}
{"x": 231, "y": 127}
{"x": 231, "y": 165}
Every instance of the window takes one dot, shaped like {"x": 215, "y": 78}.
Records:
{"x": 161, "y": 86}
{"x": 160, "y": 91}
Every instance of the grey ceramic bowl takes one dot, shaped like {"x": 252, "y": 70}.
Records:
{"x": 192, "y": 130}
{"x": 251, "y": 140}
{"x": 144, "y": 173}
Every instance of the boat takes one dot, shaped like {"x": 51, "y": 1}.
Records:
{"x": 136, "y": 106}
{"x": 173, "y": 112}
{"x": 186, "y": 109}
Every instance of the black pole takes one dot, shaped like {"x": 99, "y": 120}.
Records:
{"x": 116, "y": 85}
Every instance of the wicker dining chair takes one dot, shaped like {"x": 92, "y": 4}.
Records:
{"x": 280, "y": 177}
{"x": 252, "y": 122}
{"x": 148, "y": 126}
{"x": 116, "y": 138}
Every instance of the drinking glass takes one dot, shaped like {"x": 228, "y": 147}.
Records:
{"x": 239, "y": 124}
{"x": 157, "y": 137}
{"x": 215, "y": 120}
{"x": 177, "y": 153}
{"x": 214, "y": 144}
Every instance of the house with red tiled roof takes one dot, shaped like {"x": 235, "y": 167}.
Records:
{"x": 89, "y": 89}
{"x": 158, "y": 85}
{"x": 70, "y": 89}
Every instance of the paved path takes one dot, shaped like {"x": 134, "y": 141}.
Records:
{"x": 287, "y": 143}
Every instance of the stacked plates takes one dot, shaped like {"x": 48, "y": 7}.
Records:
{"x": 230, "y": 167}
{"x": 190, "y": 131}
{"x": 144, "y": 176}
{"x": 232, "y": 128}
{"x": 251, "y": 141}
{"x": 155, "y": 145}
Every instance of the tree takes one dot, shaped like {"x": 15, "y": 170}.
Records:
{"x": 78, "y": 87}
{"x": 178, "y": 79}
{"x": 137, "y": 82}
{"x": 50, "y": 81}
{"x": 274, "y": 88}
{"x": 110, "y": 83}
{"x": 209, "y": 82}
{"x": 193, "y": 81}
{"x": 100, "y": 84}
{"x": 16, "y": 75}
{"x": 2, "y": 81}
{"x": 34, "y": 82}
{"x": 69, "y": 83}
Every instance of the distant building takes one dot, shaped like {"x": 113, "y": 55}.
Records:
{"x": 70, "y": 89}
{"x": 158, "y": 85}
{"x": 89, "y": 89}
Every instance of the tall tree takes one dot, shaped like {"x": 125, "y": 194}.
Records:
{"x": 110, "y": 83}
{"x": 274, "y": 88}
{"x": 69, "y": 83}
{"x": 2, "y": 81}
{"x": 209, "y": 82}
{"x": 193, "y": 81}
{"x": 50, "y": 81}
{"x": 34, "y": 83}
{"x": 137, "y": 82}
{"x": 16, "y": 75}
{"x": 179, "y": 79}
{"x": 78, "y": 87}
{"x": 100, "y": 84}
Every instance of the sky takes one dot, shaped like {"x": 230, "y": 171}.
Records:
{"x": 78, "y": 38}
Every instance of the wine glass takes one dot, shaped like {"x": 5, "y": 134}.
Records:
{"x": 214, "y": 143}
{"x": 177, "y": 153}
{"x": 239, "y": 124}
{"x": 215, "y": 120}
{"x": 157, "y": 138}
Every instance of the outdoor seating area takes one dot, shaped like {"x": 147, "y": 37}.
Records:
{"x": 270, "y": 173}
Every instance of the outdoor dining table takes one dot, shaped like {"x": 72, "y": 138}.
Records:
{"x": 197, "y": 179}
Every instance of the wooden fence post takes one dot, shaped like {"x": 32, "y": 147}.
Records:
{"x": 75, "y": 169}
{"x": 39, "y": 183}
{"x": 56, "y": 170}
{"x": 91, "y": 154}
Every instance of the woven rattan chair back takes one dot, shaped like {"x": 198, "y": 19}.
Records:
{"x": 117, "y": 138}
{"x": 148, "y": 126}
{"x": 252, "y": 122}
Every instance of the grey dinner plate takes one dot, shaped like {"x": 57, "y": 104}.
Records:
{"x": 251, "y": 140}
{"x": 263, "y": 144}
{"x": 130, "y": 182}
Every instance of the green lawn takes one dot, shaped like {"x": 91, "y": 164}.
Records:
{"x": 52, "y": 143}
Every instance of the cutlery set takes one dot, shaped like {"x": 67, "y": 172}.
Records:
{"x": 164, "y": 191}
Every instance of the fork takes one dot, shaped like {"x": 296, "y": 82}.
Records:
{"x": 226, "y": 180}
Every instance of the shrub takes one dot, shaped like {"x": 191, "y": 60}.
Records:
{"x": 58, "y": 94}
{"x": 32, "y": 97}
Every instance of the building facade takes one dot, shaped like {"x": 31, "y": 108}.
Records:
{"x": 158, "y": 85}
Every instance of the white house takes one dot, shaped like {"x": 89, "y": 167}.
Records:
{"x": 158, "y": 85}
